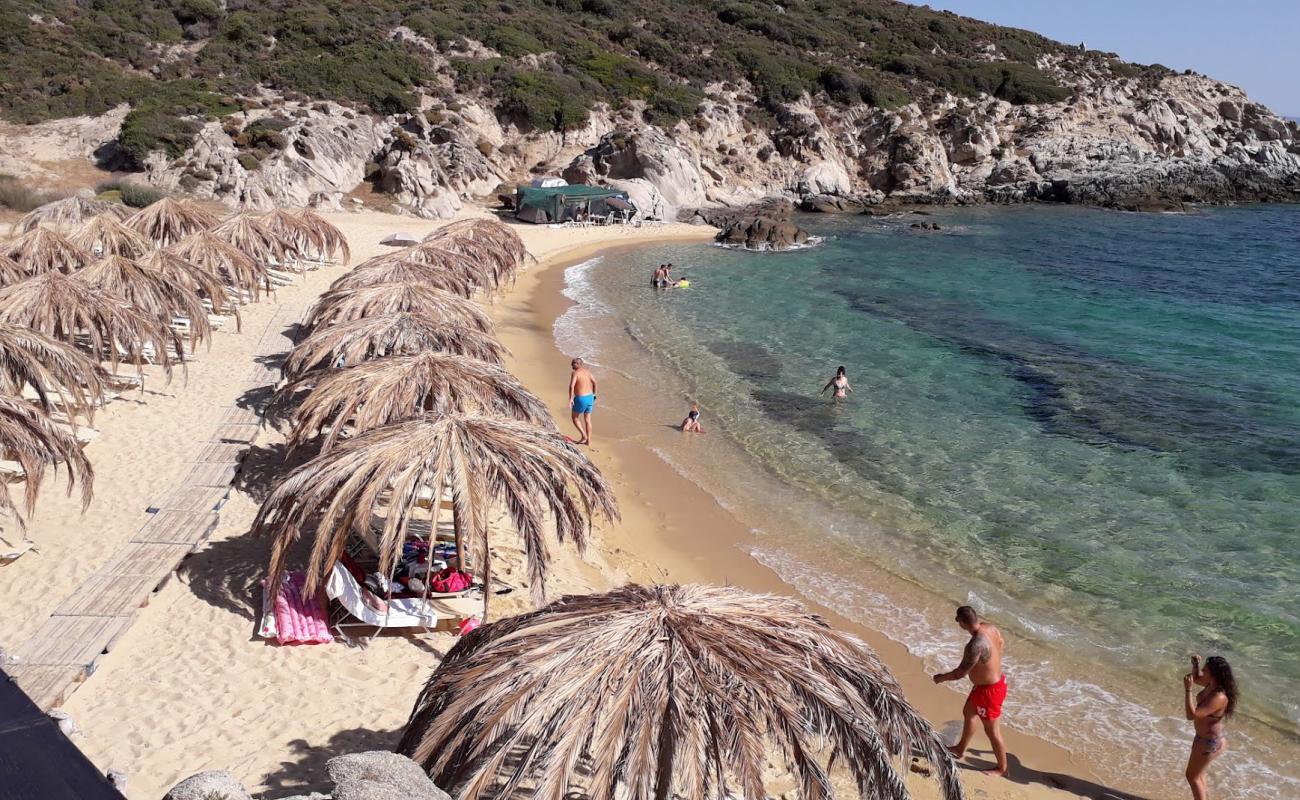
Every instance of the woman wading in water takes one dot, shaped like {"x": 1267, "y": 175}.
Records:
{"x": 1207, "y": 709}
{"x": 840, "y": 383}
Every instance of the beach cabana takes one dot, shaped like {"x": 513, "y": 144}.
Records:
{"x": 561, "y": 203}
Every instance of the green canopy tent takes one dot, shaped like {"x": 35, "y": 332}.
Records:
{"x": 561, "y": 203}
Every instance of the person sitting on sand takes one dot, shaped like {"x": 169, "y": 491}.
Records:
{"x": 841, "y": 384}
{"x": 1207, "y": 709}
{"x": 692, "y": 422}
{"x": 582, "y": 399}
{"x": 982, "y": 662}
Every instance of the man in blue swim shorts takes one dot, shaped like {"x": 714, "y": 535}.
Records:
{"x": 582, "y": 399}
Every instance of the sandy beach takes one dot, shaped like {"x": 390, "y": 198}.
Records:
{"x": 189, "y": 687}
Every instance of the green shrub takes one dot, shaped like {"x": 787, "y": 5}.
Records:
{"x": 168, "y": 119}
{"x": 134, "y": 195}
{"x": 544, "y": 101}
{"x": 249, "y": 161}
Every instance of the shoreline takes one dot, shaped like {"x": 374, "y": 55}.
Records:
{"x": 661, "y": 542}
{"x": 189, "y": 687}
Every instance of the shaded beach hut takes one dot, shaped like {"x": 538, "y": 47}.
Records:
{"x": 560, "y": 203}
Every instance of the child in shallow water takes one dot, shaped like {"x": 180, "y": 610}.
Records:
{"x": 692, "y": 422}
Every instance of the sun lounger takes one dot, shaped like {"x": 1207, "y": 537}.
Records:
{"x": 371, "y": 611}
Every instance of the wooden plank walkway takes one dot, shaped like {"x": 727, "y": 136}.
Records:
{"x": 63, "y": 650}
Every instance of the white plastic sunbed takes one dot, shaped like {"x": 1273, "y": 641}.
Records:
{"x": 371, "y": 611}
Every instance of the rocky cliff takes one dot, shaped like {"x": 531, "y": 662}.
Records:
{"x": 1147, "y": 141}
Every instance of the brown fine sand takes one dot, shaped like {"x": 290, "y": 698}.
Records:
{"x": 189, "y": 687}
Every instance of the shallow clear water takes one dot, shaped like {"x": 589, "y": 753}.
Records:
{"x": 1086, "y": 422}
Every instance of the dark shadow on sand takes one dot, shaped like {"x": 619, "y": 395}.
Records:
{"x": 303, "y": 770}
{"x": 1019, "y": 773}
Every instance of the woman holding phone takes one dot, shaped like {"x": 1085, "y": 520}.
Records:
{"x": 1207, "y": 709}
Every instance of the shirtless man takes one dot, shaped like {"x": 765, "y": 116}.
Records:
{"x": 582, "y": 399}
{"x": 982, "y": 662}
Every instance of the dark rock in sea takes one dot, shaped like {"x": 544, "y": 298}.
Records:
{"x": 765, "y": 225}
{"x": 832, "y": 204}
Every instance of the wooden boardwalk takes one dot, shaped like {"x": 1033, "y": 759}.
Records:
{"x": 63, "y": 650}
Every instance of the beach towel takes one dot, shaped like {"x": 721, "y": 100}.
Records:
{"x": 300, "y": 618}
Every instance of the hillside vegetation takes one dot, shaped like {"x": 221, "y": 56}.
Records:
{"x": 179, "y": 61}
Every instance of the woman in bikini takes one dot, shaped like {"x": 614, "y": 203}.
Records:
{"x": 1207, "y": 709}
{"x": 840, "y": 383}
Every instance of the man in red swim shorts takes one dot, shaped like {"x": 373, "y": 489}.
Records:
{"x": 982, "y": 662}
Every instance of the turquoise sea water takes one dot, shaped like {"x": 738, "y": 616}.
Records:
{"x": 1086, "y": 422}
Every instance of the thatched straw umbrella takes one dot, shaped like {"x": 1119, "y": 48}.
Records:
{"x": 485, "y": 240}
{"x": 387, "y": 298}
{"x": 255, "y": 240}
{"x": 479, "y": 273}
{"x": 667, "y": 691}
{"x": 396, "y": 388}
{"x": 42, "y": 250}
{"x": 30, "y": 359}
{"x": 325, "y": 238}
{"x": 177, "y": 270}
{"x": 11, "y": 271}
{"x": 68, "y": 309}
{"x": 148, "y": 291}
{"x": 399, "y": 271}
{"x": 358, "y": 340}
{"x": 105, "y": 235}
{"x": 542, "y": 480}
{"x": 309, "y": 233}
{"x": 169, "y": 220}
{"x": 236, "y": 270}
{"x": 70, "y": 212}
{"x": 29, "y": 437}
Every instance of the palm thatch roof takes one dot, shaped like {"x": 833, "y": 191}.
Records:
{"x": 496, "y": 245}
{"x": 148, "y": 291}
{"x": 481, "y": 274}
{"x": 70, "y": 212}
{"x": 497, "y": 266}
{"x": 105, "y": 235}
{"x": 402, "y": 333}
{"x": 231, "y": 266}
{"x": 396, "y": 388}
{"x": 42, "y": 250}
{"x": 309, "y": 232}
{"x": 257, "y": 241}
{"x": 401, "y": 271}
{"x": 71, "y": 311}
{"x": 31, "y": 359}
{"x": 170, "y": 220}
{"x": 29, "y": 437}
{"x": 325, "y": 238}
{"x": 651, "y": 692}
{"x": 10, "y": 271}
{"x": 543, "y": 481}
{"x": 177, "y": 270}
{"x": 339, "y": 305}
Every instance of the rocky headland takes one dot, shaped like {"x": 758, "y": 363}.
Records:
{"x": 1107, "y": 134}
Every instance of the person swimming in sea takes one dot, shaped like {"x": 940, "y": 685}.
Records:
{"x": 840, "y": 383}
{"x": 1207, "y": 709}
{"x": 692, "y": 422}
